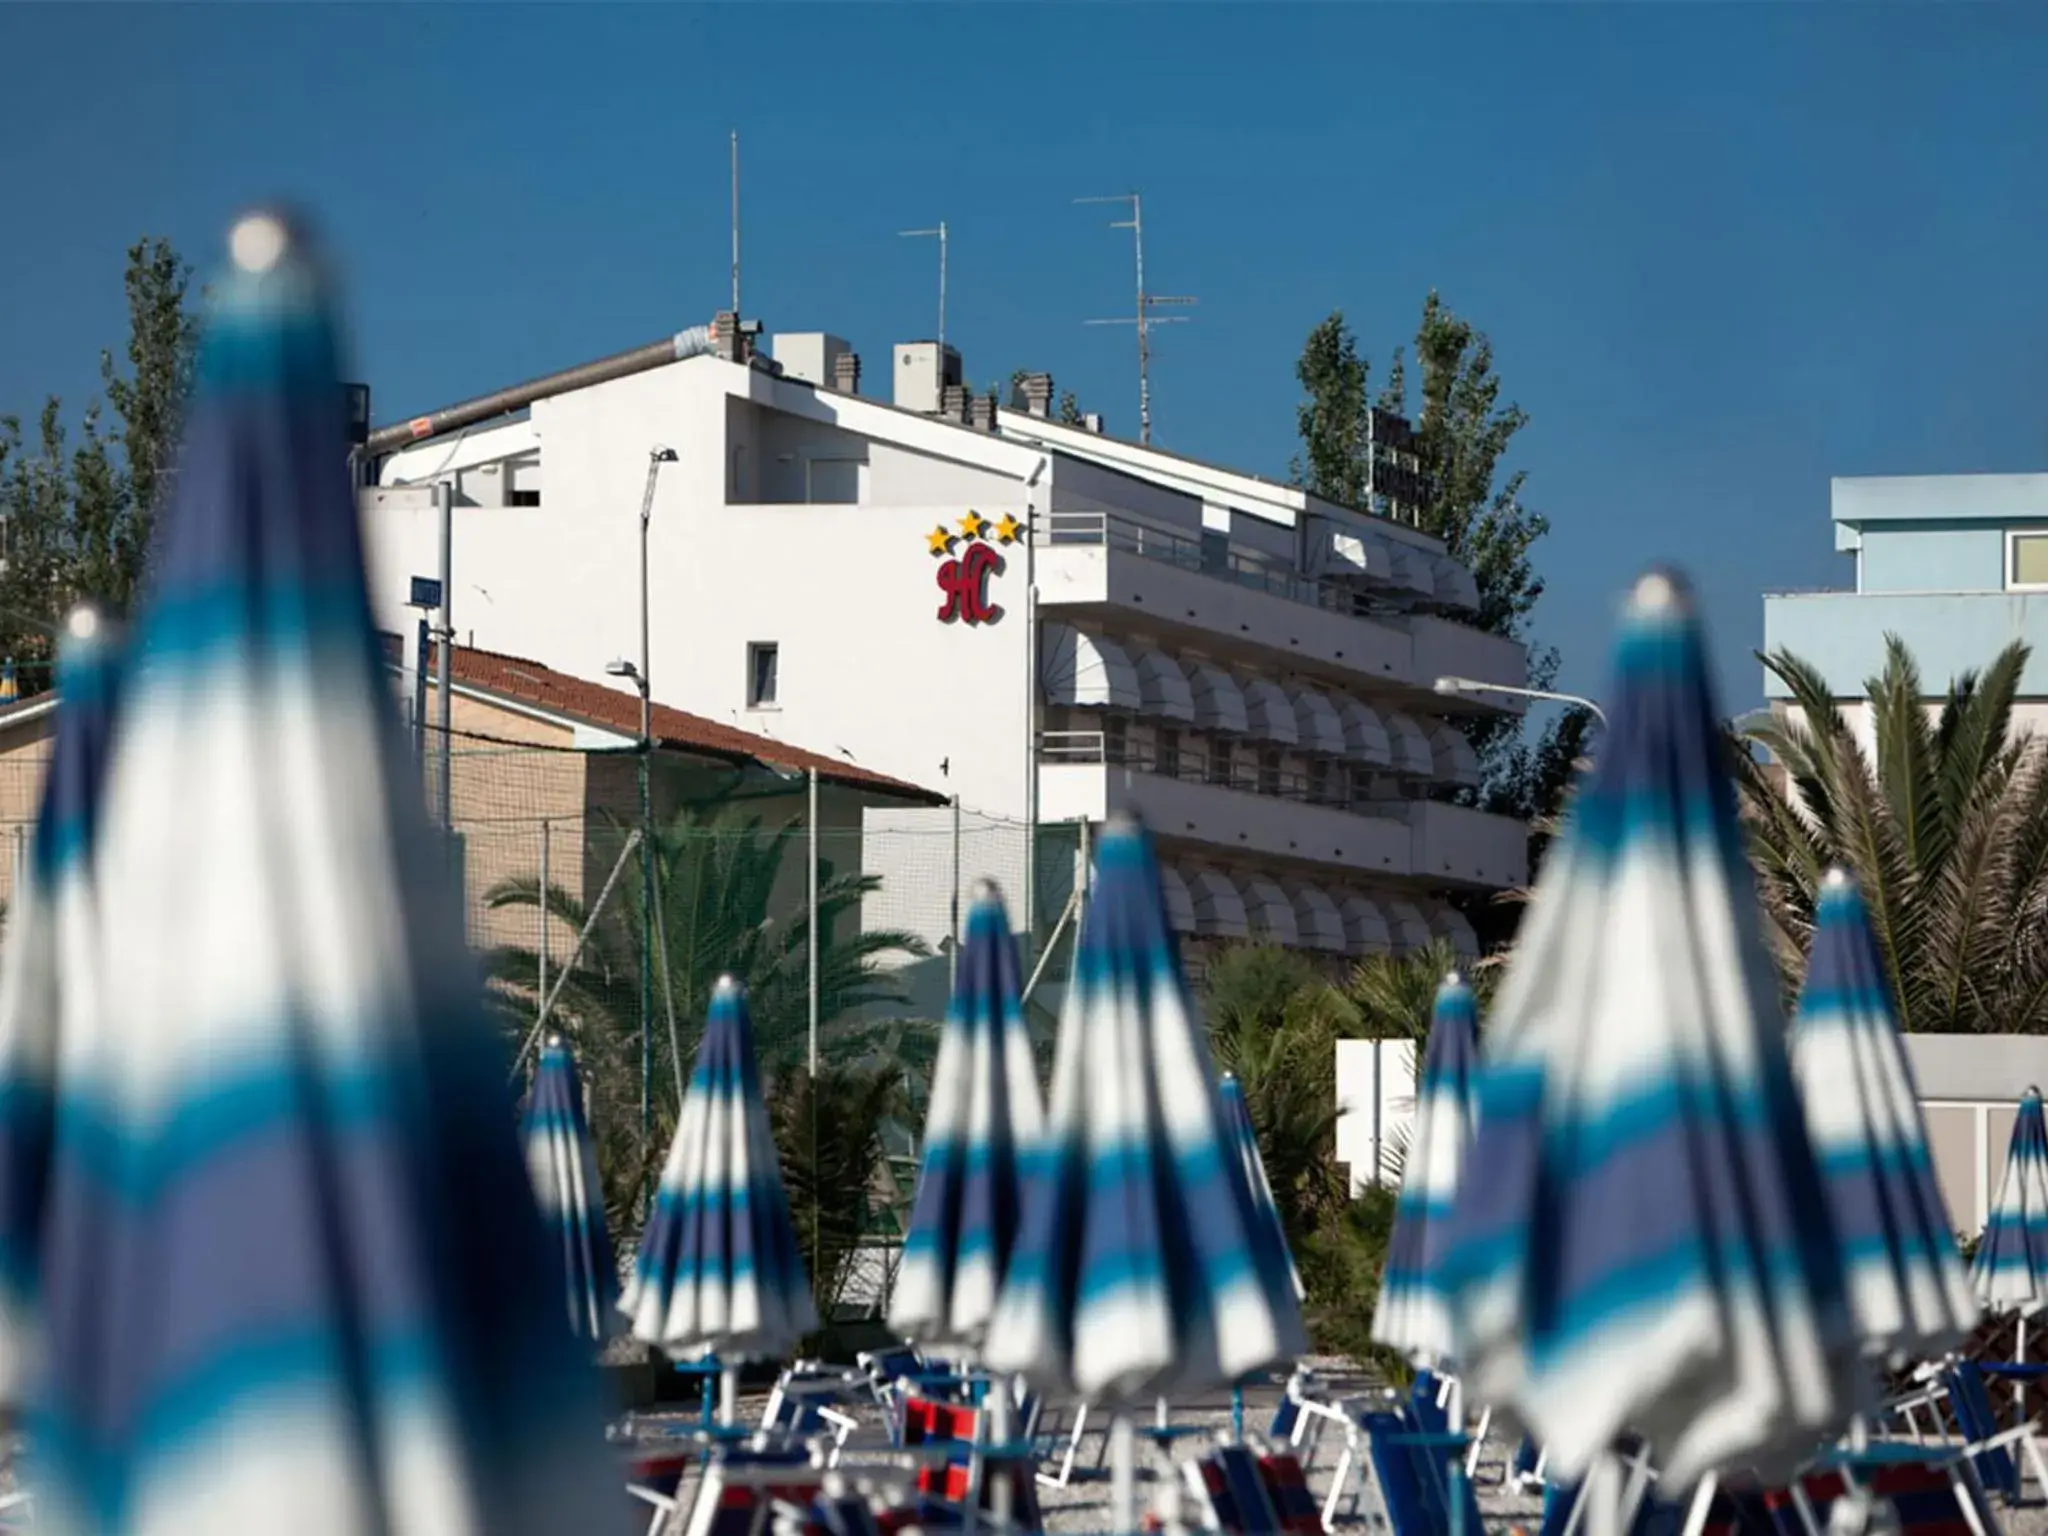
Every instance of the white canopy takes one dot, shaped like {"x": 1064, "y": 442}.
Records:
{"x": 1365, "y": 926}
{"x": 1455, "y": 586}
{"x": 1316, "y": 719}
{"x": 1219, "y": 909}
{"x": 1219, "y": 704}
{"x": 1449, "y": 923}
{"x": 1077, "y": 668}
{"x": 1338, "y": 549}
{"x": 1269, "y": 713}
{"x": 1365, "y": 736}
{"x": 1317, "y": 919}
{"x": 1162, "y": 686}
{"x": 1268, "y": 911}
{"x": 1410, "y": 931}
{"x": 1453, "y": 754}
{"x": 1180, "y": 906}
{"x": 1411, "y": 747}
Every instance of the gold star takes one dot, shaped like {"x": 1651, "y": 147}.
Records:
{"x": 938, "y": 540}
{"x": 1009, "y": 529}
{"x": 972, "y": 524}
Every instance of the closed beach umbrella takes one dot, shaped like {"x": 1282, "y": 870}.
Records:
{"x": 1650, "y": 1246}
{"x": 1138, "y": 1272}
{"x": 289, "y": 1273}
{"x": 1245, "y": 1137}
{"x": 562, "y": 1161}
{"x": 718, "y": 1273}
{"x": 1412, "y": 1314}
{"x": 2011, "y": 1269}
{"x": 1907, "y": 1285}
{"x": 984, "y": 1123}
{"x": 45, "y": 991}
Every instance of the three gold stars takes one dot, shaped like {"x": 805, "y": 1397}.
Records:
{"x": 974, "y": 526}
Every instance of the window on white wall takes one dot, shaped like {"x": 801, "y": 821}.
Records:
{"x": 763, "y": 658}
{"x": 2026, "y": 562}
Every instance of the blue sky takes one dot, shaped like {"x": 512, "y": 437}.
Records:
{"x": 1724, "y": 252}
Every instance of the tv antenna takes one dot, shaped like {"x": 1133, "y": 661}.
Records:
{"x": 939, "y": 230}
{"x": 1144, "y": 318}
{"x": 735, "y": 224}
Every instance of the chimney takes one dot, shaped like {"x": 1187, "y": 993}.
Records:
{"x": 1036, "y": 391}
{"x": 953, "y": 402}
{"x": 846, "y": 373}
{"x": 1092, "y": 420}
{"x": 725, "y": 336}
{"x": 981, "y": 411}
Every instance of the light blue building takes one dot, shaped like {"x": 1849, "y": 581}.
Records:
{"x": 1955, "y": 565}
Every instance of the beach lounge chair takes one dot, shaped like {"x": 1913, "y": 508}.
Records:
{"x": 1407, "y": 1474}
{"x": 740, "y": 1490}
{"x": 1230, "y": 1494}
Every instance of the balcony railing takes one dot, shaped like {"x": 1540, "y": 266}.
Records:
{"x": 1192, "y": 765}
{"x": 1259, "y": 572}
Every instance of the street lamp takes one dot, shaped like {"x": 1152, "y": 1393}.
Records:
{"x": 1473, "y": 685}
{"x": 656, "y": 457}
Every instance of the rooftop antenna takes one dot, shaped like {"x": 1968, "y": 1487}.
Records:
{"x": 1143, "y": 319}
{"x": 939, "y": 230}
{"x": 735, "y": 222}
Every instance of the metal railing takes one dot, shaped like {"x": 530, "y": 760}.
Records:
{"x": 1261, "y": 573}
{"x": 1193, "y": 763}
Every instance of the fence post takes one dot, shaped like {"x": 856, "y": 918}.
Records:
{"x": 953, "y": 970}
{"x": 542, "y": 947}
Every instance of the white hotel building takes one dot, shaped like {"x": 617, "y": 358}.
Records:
{"x": 1044, "y": 621}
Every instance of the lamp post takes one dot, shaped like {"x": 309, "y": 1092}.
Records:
{"x": 1473, "y": 685}
{"x": 656, "y": 457}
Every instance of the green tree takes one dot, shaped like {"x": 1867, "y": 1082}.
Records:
{"x": 1335, "y": 420}
{"x": 1392, "y": 997}
{"x": 829, "y": 1135}
{"x": 716, "y": 869}
{"x": 1944, "y": 824}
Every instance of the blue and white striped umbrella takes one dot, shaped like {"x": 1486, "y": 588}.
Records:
{"x": 718, "y": 1272}
{"x": 1650, "y": 1247}
{"x": 1237, "y": 1114}
{"x": 2011, "y": 1270}
{"x": 288, "y": 1268}
{"x": 984, "y": 1123}
{"x": 1412, "y": 1314}
{"x": 562, "y": 1162}
{"x": 46, "y": 991}
{"x": 1907, "y": 1285}
{"x": 1137, "y": 1273}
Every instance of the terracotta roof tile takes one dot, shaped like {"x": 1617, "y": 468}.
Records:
{"x": 528, "y": 682}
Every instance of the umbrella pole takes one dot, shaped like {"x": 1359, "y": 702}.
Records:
{"x": 1001, "y": 1491}
{"x": 2019, "y": 1357}
{"x": 1237, "y": 1411}
{"x": 1456, "y": 1418}
{"x": 729, "y": 1396}
{"x": 1123, "y": 1475}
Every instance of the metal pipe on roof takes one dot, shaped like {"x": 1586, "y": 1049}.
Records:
{"x": 693, "y": 342}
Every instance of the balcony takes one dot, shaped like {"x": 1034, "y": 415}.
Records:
{"x": 1949, "y": 633}
{"x": 1264, "y": 809}
{"x": 1229, "y": 600}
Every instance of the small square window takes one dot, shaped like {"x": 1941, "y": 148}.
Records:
{"x": 762, "y": 659}
{"x": 2026, "y": 563}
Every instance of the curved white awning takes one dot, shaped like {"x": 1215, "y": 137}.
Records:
{"x": 1365, "y": 736}
{"x": 1219, "y": 909}
{"x": 1410, "y": 930}
{"x": 1219, "y": 703}
{"x": 1455, "y": 760}
{"x": 1449, "y": 923}
{"x": 1180, "y": 906}
{"x": 1269, "y": 713}
{"x": 1316, "y": 719}
{"x": 1411, "y": 747}
{"x": 1162, "y": 686}
{"x": 1317, "y": 919}
{"x": 1455, "y": 586}
{"x": 1365, "y": 926}
{"x": 1336, "y": 549}
{"x": 1268, "y": 911}
{"x": 1077, "y": 668}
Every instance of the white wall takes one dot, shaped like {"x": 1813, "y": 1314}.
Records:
{"x": 1369, "y": 1128}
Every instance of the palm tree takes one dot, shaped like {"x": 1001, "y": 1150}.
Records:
{"x": 1944, "y": 823}
{"x": 1392, "y": 997}
{"x": 716, "y": 868}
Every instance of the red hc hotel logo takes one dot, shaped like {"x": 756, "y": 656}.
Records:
{"x": 963, "y": 580}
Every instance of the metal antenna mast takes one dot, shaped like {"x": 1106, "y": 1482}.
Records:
{"x": 1143, "y": 319}
{"x": 940, "y": 230}
{"x": 735, "y": 223}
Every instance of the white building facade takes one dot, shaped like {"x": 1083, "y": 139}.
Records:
{"x": 1048, "y": 623}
